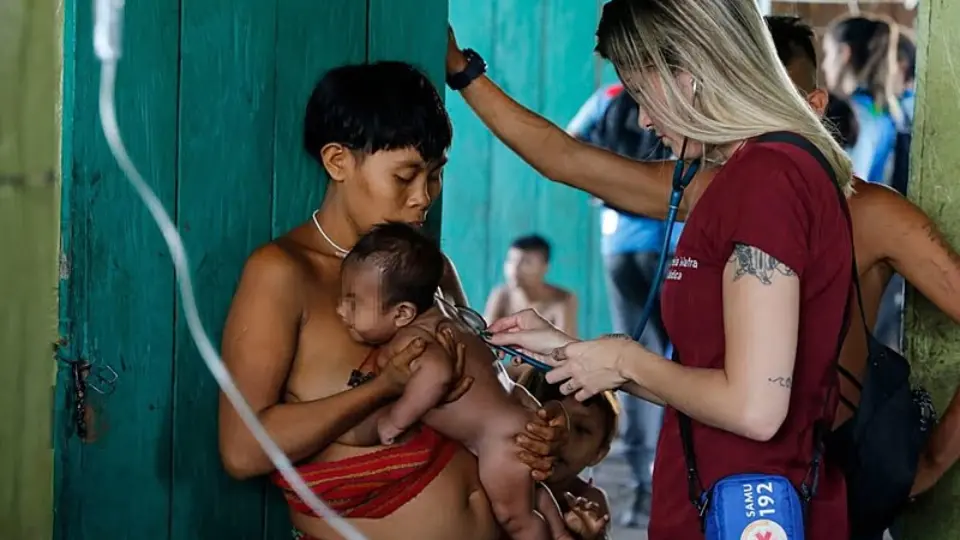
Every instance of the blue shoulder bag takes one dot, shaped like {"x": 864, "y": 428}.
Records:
{"x": 756, "y": 506}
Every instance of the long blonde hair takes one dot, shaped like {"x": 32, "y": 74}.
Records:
{"x": 743, "y": 90}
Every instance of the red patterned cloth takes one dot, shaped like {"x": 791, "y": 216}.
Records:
{"x": 374, "y": 485}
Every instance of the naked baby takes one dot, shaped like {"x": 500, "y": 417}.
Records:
{"x": 387, "y": 299}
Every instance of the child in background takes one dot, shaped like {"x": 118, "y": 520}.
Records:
{"x": 525, "y": 271}
{"x": 387, "y": 299}
{"x": 593, "y": 425}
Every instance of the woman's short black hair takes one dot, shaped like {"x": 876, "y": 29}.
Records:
{"x": 411, "y": 264}
{"x": 374, "y": 107}
{"x": 793, "y": 38}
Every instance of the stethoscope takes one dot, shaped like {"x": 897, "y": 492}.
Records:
{"x": 475, "y": 323}
{"x": 683, "y": 174}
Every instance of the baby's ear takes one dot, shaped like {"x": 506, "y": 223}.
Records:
{"x": 404, "y": 314}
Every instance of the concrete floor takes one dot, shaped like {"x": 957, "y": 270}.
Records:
{"x": 613, "y": 476}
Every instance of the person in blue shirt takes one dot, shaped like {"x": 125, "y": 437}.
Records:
{"x": 860, "y": 63}
{"x": 631, "y": 248}
{"x": 871, "y": 61}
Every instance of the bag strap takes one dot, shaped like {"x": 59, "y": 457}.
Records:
{"x": 810, "y": 148}
{"x": 822, "y": 427}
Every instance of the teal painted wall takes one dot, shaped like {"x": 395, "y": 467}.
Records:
{"x": 541, "y": 53}
{"x": 210, "y": 98}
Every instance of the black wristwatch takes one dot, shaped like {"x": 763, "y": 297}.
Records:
{"x": 475, "y": 68}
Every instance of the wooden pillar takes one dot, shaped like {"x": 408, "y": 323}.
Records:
{"x": 29, "y": 67}
{"x": 933, "y": 341}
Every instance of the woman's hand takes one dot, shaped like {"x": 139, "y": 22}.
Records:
{"x": 585, "y": 518}
{"x": 457, "y": 352}
{"x": 529, "y": 332}
{"x": 396, "y": 370}
{"x": 543, "y": 438}
{"x": 587, "y": 368}
{"x": 456, "y": 62}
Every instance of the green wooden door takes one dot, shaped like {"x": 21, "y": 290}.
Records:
{"x": 541, "y": 53}
{"x": 210, "y": 96}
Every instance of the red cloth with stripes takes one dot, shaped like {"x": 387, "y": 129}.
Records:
{"x": 374, "y": 485}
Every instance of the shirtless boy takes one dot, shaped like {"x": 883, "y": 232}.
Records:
{"x": 524, "y": 272}
{"x": 388, "y": 282}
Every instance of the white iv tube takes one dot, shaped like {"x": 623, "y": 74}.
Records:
{"x": 107, "y": 44}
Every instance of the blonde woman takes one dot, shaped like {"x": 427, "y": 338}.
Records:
{"x": 755, "y": 298}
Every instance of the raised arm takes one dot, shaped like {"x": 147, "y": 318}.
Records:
{"x": 638, "y": 187}
{"x": 916, "y": 249}
{"x": 259, "y": 342}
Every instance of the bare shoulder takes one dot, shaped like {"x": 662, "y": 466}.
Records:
{"x": 499, "y": 291}
{"x": 882, "y": 217}
{"x": 278, "y": 263}
{"x": 563, "y": 296}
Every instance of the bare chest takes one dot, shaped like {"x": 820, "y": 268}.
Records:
{"x": 325, "y": 357}
{"x": 549, "y": 309}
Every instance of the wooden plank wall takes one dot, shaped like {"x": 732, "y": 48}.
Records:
{"x": 210, "y": 98}
{"x": 29, "y": 67}
{"x": 541, "y": 53}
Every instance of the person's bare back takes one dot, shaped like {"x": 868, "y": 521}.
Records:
{"x": 499, "y": 416}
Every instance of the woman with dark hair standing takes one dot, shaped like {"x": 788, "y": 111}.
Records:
{"x": 860, "y": 64}
{"x": 755, "y": 299}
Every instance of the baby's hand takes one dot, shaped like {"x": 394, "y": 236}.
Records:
{"x": 584, "y": 518}
{"x": 387, "y": 431}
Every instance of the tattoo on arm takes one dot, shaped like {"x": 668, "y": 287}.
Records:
{"x": 783, "y": 382}
{"x": 750, "y": 261}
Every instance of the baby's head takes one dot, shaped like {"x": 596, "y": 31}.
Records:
{"x": 593, "y": 426}
{"x": 387, "y": 280}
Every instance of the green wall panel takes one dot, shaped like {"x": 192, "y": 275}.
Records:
{"x": 210, "y": 101}
{"x": 517, "y": 62}
{"x": 312, "y": 37}
{"x": 412, "y": 31}
{"x": 120, "y": 310}
{"x": 541, "y": 53}
{"x": 565, "y": 215}
{"x": 227, "y": 62}
{"x": 466, "y": 190}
